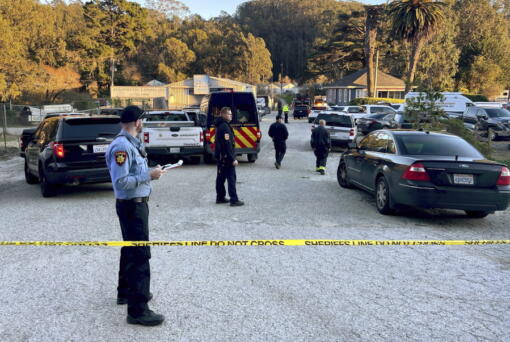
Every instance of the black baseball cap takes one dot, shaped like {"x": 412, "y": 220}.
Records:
{"x": 131, "y": 114}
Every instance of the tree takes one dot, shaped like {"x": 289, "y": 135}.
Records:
{"x": 114, "y": 29}
{"x": 373, "y": 17}
{"x": 415, "y": 21}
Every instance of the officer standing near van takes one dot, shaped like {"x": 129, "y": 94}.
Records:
{"x": 279, "y": 133}
{"x": 321, "y": 144}
{"x": 131, "y": 179}
{"x": 286, "y": 113}
{"x": 226, "y": 158}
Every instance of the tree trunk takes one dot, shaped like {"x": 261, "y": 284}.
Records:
{"x": 371, "y": 23}
{"x": 415, "y": 58}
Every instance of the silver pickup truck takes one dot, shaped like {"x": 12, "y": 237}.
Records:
{"x": 172, "y": 134}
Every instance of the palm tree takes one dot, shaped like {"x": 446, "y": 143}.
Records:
{"x": 415, "y": 21}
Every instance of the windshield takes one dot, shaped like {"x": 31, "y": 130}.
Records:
{"x": 90, "y": 128}
{"x": 498, "y": 113}
{"x": 167, "y": 117}
{"x": 301, "y": 108}
{"x": 436, "y": 145}
{"x": 335, "y": 120}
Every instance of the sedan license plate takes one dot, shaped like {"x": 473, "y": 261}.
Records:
{"x": 175, "y": 149}
{"x": 99, "y": 148}
{"x": 463, "y": 179}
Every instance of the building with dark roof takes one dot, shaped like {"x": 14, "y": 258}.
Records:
{"x": 355, "y": 85}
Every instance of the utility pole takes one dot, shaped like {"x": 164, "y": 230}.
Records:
{"x": 376, "y": 72}
{"x": 5, "y": 128}
{"x": 281, "y": 79}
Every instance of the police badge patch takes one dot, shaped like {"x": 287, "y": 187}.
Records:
{"x": 120, "y": 157}
{"x": 227, "y": 136}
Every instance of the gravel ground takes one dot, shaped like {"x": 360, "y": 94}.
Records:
{"x": 427, "y": 293}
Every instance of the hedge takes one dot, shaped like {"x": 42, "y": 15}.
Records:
{"x": 374, "y": 100}
{"x": 476, "y": 97}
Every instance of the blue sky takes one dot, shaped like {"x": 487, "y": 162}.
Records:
{"x": 210, "y": 8}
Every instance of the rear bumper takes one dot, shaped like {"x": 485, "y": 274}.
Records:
{"x": 461, "y": 198}
{"x": 338, "y": 141}
{"x": 61, "y": 175}
{"x": 238, "y": 151}
{"x": 183, "y": 151}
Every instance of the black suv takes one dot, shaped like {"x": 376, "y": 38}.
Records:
{"x": 481, "y": 118}
{"x": 69, "y": 150}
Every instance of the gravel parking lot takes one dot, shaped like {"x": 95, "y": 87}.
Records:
{"x": 372, "y": 293}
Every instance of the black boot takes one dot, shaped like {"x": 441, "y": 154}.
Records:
{"x": 148, "y": 318}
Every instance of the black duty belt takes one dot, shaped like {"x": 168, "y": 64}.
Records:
{"x": 134, "y": 200}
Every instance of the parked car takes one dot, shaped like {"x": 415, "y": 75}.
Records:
{"x": 172, "y": 134}
{"x": 69, "y": 150}
{"x": 374, "y": 122}
{"x": 425, "y": 170}
{"x": 315, "y": 110}
{"x": 194, "y": 114}
{"x": 378, "y": 109}
{"x": 399, "y": 107}
{"x": 341, "y": 126}
{"x": 301, "y": 111}
{"x": 482, "y": 118}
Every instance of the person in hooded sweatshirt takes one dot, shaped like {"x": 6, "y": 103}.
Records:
{"x": 321, "y": 144}
{"x": 226, "y": 158}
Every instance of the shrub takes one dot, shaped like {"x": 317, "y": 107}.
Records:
{"x": 476, "y": 97}
{"x": 373, "y": 100}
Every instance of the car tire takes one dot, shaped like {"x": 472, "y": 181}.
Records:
{"x": 252, "y": 157}
{"x": 208, "y": 158}
{"x": 477, "y": 213}
{"x": 342, "y": 177}
{"x": 194, "y": 160}
{"x": 382, "y": 197}
{"x": 47, "y": 189}
{"x": 30, "y": 178}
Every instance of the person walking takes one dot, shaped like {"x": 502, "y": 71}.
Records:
{"x": 225, "y": 155}
{"x": 279, "y": 133}
{"x": 286, "y": 113}
{"x": 321, "y": 144}
{"x": 131, "y": 179}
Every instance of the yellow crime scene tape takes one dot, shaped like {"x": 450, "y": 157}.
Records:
{"x": 260, "y": 243}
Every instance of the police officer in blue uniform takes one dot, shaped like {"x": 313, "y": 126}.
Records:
{"x": 225, "y": 155}
{"x": 131, "y": 178}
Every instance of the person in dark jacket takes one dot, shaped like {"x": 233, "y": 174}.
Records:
{"x": 321, "y": 144}
{"x": 278, "y": 132}
{"x": 226, "y": 157}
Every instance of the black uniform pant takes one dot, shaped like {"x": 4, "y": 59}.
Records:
{"x": 134, "y": 269}
{"x": 286, "y": 117}
{"x": 226, "y": 173}
{"x": 280, "y": 147}
{"x": 321, "y": 153}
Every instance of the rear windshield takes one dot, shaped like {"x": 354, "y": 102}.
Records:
{"x": 340, "y": 109}
{"x": 167, "y": 117}
{"x": 376, "y": 116}
{"x": 242, "y": 105}
{"x": 90, "y": 128}
{"x": 436, "y": 145}
{"x": 301, "y": 108}
{"x": 335, "y": 120}
{"x": 498, "y": 113}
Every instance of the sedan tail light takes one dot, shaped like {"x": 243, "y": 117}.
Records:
{"x": 58, "y": 149}
{"x": 201, "y": 137}
{"x": 504, "y": 177}
{"x": 416, "y": 172}
{"x": 146, "y": 138}
{"x": 351, "y": 133}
